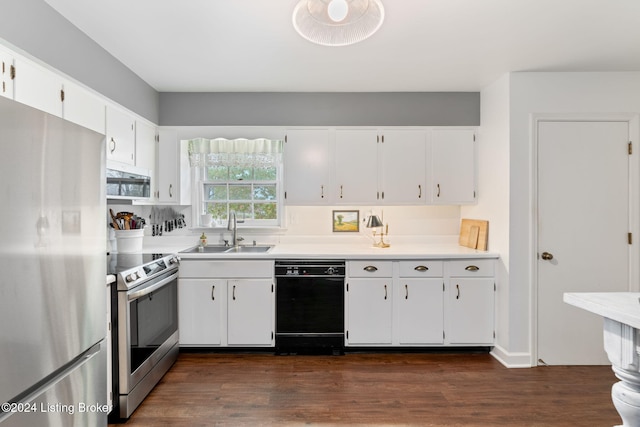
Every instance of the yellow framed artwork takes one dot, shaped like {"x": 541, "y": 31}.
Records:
{"x": 346, "y": 221}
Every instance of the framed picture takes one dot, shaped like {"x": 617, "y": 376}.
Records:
{"x": 346, "y": 221}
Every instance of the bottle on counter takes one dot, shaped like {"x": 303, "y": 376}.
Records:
{"x": 203, "y": 240}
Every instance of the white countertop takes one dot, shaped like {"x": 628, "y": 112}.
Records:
{"x": 401, "y": 251}
{"x": 623, "y": 307}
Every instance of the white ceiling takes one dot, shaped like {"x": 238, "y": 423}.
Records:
{"x": 423, "y": 45}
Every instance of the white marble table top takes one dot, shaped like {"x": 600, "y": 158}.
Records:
{"x": 623, "y": 307}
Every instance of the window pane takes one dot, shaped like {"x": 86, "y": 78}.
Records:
{"x": 240, "y": 173}
{"x": 266, "y": 210}
{"x": 215, "y": 192}
{"x": 265, "y": 174}
{"x": 264, "y": 192}
{"x": 243, "y": 210}
{"x": 217, "y": 210}
{"x": 217, "y": 173}
{"x": 240, "y": 192}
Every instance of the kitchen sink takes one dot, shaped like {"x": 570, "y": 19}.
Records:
{"x": 220, "y": 249}
{"x": 248, "y": 249}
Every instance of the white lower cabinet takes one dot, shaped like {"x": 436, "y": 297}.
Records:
{"x": 369, "y": 304}
{"x": 420, "y": 303}
{"x": 421, "y": 311}
{"x": 200, "y": 311}
{"x": 226, "y": 303}
{"x": 471, "y": 302}
{"x": 250, "y": 312}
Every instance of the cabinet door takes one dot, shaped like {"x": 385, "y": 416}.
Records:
{"x": 6, "y": 74}
{"x": 453, "y": 166}
{"x": 356, "y": 160}
{"x": 421, "y": 311}
{"x": 83, "y": 108}
{"x": 369, "y": 303}
{"x": 307, "y": 174}
{"x": 200, "y": 311}
{"x": 168, "y": 166}
{"x": 37, "y": 87}
{"x": 403, "y": 162}
{"x": 250, "y": 306}
{"x": 146, "y": 153}
{"x": 120, "y": 136}
{"x": 471, "y": 303}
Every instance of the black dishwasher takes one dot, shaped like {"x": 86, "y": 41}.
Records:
{"x": 309, "y": 306}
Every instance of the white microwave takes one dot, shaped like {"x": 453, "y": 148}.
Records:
{"x": 126, "y": 182}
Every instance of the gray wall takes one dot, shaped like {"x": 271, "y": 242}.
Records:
{"x": 37, "y": 29}
{"x": 34, "y": 27}
{"x": 320, "y": 109}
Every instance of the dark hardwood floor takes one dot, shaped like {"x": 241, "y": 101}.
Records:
{"x": 419, "y": 389}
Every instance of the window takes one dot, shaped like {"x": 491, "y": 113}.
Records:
{"x": 245, "y": 178}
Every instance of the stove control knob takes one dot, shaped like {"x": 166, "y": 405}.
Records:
{"x": 174, "y": 260}
{"x": 332, "y": 270}
{"x": 131, "y": 277}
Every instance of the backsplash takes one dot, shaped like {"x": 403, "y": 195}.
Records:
{"x": 406, "y": 223}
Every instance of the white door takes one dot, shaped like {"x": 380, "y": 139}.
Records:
{"x": 583, "y": 221}
{"x": 307, "y": 176}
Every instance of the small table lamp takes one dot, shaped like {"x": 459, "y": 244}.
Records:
{"x": 374, "y": 222}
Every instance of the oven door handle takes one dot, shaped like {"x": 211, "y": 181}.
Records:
{"x": 147, "y": 290}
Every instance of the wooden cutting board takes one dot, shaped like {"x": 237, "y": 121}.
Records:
{"x": 474, "y": 233}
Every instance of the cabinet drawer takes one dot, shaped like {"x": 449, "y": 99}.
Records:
{"x": 231, "y": 269}
{"x": 421, "y": 268}
{"x": 370, "y": 269}
{"x": 471, "y": 268}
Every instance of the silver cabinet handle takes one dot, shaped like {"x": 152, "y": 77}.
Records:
{"x": 234, "y": 292}
{"x": 113, "y": 145}
{"x": 406, "y": 291}
{"x": 472, "y": 268}
{"x": 213, "y": 289}
{"x": 370, "y": 269}
{"x": 385, "y": 291}
{"x": 421, "y": 268}
{"x": 458, "y": 289}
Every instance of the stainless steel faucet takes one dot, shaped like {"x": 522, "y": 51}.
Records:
{"x": 233, "y": 227}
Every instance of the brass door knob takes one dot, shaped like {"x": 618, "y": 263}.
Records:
{"x": 546, "y": 256}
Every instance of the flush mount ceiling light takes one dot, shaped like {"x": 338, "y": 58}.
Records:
{"x": 337, "y": 22}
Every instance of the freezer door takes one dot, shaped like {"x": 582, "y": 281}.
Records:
{"x": 76, "y": 397}
{"x": 52, "y": 245}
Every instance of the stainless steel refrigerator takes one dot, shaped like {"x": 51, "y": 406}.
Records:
{"x": 52, "y": 271}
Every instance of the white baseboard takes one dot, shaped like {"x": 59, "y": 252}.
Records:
{"x": 511, "y": 360}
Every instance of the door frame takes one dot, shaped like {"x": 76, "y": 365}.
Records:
{"x": 633, "y": 121}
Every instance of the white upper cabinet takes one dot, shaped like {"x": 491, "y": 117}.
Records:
{"x": 147, "y": 153}
{"x": 82, "y": 107}
{"x": 7, "y": 71}
{"x": 453, "y": 158}
{"x": 174, "y": 179}
{"x": 307, "y": 174}
{"x": 120, "y": 136}
{"x": 356, "y": 161}
{"x": 403, "y": 164}
{"x": 38, "y": 87}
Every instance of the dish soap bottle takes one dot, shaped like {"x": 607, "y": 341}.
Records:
{"x": 203, "y": 240}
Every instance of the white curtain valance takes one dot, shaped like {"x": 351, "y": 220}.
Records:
{"x": 235, "y": 152}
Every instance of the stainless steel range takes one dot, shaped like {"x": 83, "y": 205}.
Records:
{"x": 144, "y": 319}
